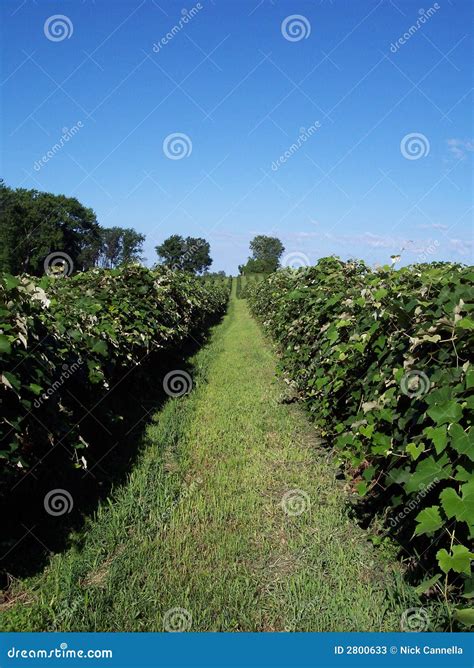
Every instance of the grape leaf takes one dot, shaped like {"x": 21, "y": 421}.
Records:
{"x": 462, "y": 441}
{"x": 458, "y": 561}
{"x": 429, "y": 520}
{"x": 449, "y": 411}
{"x": 427, "y": 471}
{"x": 415, "y": 450}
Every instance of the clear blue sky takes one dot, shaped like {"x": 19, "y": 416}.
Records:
{"x": 242, "y": 92}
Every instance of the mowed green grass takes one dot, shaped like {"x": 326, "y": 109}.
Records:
{"x": 200, "y": 524}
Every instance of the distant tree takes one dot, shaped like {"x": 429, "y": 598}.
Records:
{"x": 171, "y": 251}
{"x": 110, "y": 248}
{"x": 191, "y": 254}
{"x": 119, "y": 246}
{"x": 215, "y": 274}
{"x": 132, "y": 245}
{"x": 34, "y": 224}
{"x": 266, "y": 253}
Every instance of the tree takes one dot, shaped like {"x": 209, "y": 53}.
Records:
{"x": 191, "y": 254}
{"x": 132, "y": 246}
{"x": 266, "y": 253}
{"x": 119, "y": 246}
{"x": 171, "y": 251}
{"x": 34, "y": 224}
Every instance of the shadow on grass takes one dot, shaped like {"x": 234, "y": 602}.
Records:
{"x": 30, "y": 535}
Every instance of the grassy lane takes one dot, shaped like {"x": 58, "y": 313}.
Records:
{"x": 201, "y": 525}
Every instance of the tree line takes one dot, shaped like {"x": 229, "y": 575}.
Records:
{"x": 34, "y": 224}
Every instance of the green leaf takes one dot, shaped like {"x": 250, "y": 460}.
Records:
{"x": 11, "y": 380}
{"x": 380, "y": 294}
{"x": 36, "y": 389}
{"x": 368, "y": 474}
{"x": 462, "y": 475}
{"x": 429, "y": 470}
{"x": 429, "y": 520}
{"x": 5, "y": 345}
{"x": 465, "y": 323}
{"x": 100, "y": 347}
{"x": 449, "y": 411}
{"x": 427, "y": 584}
{"x": 361, "y": 488}
{"x": 10, "y": 281}
{"x": 367, "y": 430}
{"x": 465, "y": 616}
{"x": 439, "y": 436}
{"x": 462, "y": 441}
{"x": 460, "y": 507}
{"x": 458, "y": 561}
{"x": 469, "y": 378}
{"x": 415, "y": 450}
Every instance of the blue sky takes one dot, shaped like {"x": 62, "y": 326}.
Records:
{"x": 245, "y": 83}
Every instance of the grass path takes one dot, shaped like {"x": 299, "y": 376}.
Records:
{"x": 201, "y": 526}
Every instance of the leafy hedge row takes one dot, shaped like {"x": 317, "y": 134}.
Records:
{"x": 381, "y": 359}
{"x": 79, "y": 336}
